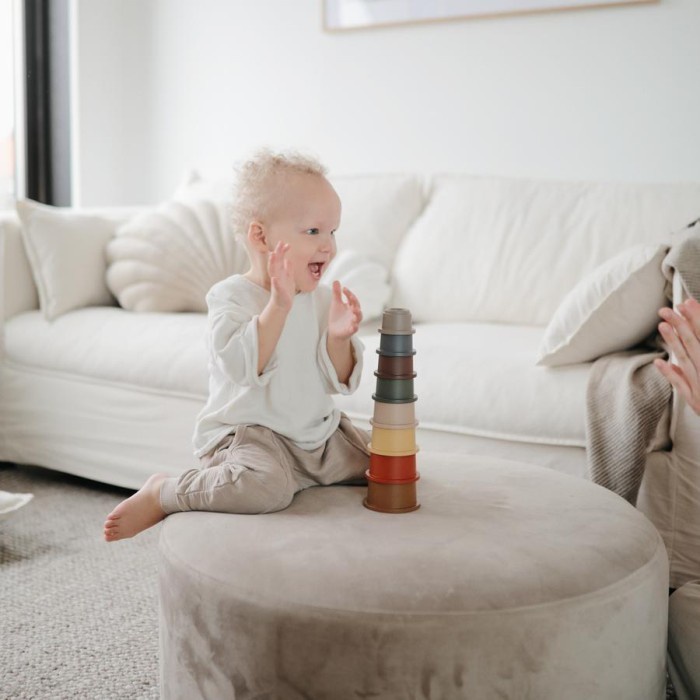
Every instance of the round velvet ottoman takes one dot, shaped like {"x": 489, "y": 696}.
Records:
{"x": 510, "y": 581}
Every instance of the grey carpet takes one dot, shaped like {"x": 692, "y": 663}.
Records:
{"x": 78, "y": 616}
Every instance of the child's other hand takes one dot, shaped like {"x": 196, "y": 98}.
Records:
{"x": 282, "y": 283}
{"x": 344, "y": 318}
{"x": 681, "y": 331}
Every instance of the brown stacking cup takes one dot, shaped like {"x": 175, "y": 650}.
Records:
{"x": 391, "y": 498}
{"x": 395, "y": 366}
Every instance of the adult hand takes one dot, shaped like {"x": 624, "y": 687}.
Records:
{"x": 282, "y": 283}
{"x": 343, "y": 318}
{"x": 681, "y": 331}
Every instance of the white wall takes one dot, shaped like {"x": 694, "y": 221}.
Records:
{"x": 112, "y": 135}
{"x": 586, "y": 94}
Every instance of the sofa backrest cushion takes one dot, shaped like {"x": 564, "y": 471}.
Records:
{"x": 167, "y": 258}
{"x": 508, "y": 250}
{"x": 66, "y": 251}
{"x": 377, "y": 211}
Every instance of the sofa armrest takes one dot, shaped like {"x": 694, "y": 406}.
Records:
{"x": 18, "y": 292}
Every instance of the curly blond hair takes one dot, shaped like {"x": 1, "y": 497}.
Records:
{"x": 259, "y": 179}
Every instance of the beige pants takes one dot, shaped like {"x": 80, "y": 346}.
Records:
{"x": 257, "y": 470}
{"x": 684, "y": 641}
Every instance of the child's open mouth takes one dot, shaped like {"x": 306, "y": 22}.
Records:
{"x": 316, "y": 269}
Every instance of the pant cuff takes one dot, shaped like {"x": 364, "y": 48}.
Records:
{"x": 168, "y": 496}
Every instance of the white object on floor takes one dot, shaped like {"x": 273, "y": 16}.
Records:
{"x": 10, "y": 502}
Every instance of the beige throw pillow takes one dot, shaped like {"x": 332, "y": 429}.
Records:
{"x": 612, "y": 309}
{"x": 66, "y": 251}
{"x": 167, "y": 258}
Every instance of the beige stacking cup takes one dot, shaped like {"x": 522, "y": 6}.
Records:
{"x": 394, "y": 413}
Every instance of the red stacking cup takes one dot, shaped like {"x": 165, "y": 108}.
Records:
{"x": 392, "y": 468}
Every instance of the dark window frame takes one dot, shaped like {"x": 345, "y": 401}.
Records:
{"x": 47, "y": 101}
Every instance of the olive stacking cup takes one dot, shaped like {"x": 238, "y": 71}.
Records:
{"x": 395, "y": 413}
{"x": 393, "y": 389}
{"x": 391, "y": 498}
{"x": 395, "y": 365}
{"x": 393, "y": 440}
{"x": 392, "y": 468}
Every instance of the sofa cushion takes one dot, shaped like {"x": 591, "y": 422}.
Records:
{"x": 377, "y": 212}
{"x": 475, "y": 379}
{"x": 509, "y": 250}
{"x": 167, "y": 258}
{"x": 66, "y": 251}
{"x": 612, "y": 309}
{"x": 154, "y": 351}
{"x": 481, "y": 379}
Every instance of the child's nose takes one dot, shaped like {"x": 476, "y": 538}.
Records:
{"x": 326, "y": 242}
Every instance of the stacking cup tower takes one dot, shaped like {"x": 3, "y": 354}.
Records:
{"x": 392, "y": 475}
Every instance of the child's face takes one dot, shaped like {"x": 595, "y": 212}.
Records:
{"x": 306, "y": 218}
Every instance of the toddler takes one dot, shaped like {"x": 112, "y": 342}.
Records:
{"x": 279, "y": 346}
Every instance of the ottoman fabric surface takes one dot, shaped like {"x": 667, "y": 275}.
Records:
{"x": 510, "y": 581}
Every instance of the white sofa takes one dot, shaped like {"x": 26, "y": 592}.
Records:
{"x": 482, "y": 263}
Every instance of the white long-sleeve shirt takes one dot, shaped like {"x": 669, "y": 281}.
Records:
{"x": 292, "y": 396}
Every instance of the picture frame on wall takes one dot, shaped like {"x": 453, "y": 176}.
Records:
{"x": 340, "y": 15}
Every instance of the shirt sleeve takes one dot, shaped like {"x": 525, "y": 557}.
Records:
{"x": 330, "y": 376}
{"x": 233, "y": 344}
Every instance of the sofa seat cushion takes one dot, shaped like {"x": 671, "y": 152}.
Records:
{"x": 481, "y": 379}
{"x": 474, "y": 379}
{"x": 153, "y": 351}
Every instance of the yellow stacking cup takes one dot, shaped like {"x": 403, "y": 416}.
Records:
{"x": 393, "y": 439}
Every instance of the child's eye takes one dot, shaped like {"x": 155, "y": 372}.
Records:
{"x": 312, "y": 231}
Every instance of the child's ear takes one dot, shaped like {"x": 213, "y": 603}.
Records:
{"x": 257, "y": 237}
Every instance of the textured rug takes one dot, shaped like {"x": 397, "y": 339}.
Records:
{"x": 78, "y": 616}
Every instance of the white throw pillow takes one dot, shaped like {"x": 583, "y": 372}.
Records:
{"x": 613, "y": 308}
{"x": 366, "y": 279}
{"x": 66, "y": 251}
{"x": 167, "y": 258}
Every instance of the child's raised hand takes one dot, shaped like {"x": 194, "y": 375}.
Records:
{"x": 281, "y": 277}
{"x": 681, "y": 331}
{"x": 344, "y": 318}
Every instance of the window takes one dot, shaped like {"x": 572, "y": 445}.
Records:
{"x": 7, "y": 107}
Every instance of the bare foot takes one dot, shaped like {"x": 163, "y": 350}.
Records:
{"x": 136, "y": 513}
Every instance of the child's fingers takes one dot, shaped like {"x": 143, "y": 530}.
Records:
{"x": 351, "y": 297}
{"x": 353, "y": 300}
{"x": 277, "y": 259}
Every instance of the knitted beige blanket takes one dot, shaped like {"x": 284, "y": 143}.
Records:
{"x": 626, "y": 395}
